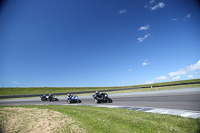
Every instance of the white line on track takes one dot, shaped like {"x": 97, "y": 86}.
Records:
{"x": 177, "y": 112}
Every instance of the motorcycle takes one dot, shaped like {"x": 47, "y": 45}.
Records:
{"x": 53, "y": 98}
{"x": 102, "y": 98}
{"x": 49, "y": 98}
{"x": 72, "y": 99}
{"x": 44, "y": 97}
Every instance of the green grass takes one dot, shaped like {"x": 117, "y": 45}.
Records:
{"x": 157, "y": 88}
{"x": 108, "y": 120}
{"x": 42, "y": 90}
{"x": 132, "y": 90}
{"x": 168, "y": 83}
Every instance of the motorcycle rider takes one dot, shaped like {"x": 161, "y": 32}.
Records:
{"x": 50, "y": 96}
{"x": 69, "y": 96}
{"x": 101, "y": 97}
{"x": 97, "y": 95}
{"x": 43, "y": 97}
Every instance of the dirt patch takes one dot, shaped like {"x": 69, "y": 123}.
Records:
{"x": 35, "y": 120}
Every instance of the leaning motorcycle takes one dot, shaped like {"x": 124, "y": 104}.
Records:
{"x": 102, "y": 98}
{"x": 44, "y": 97}
{"x": 49, "y": 98}
{"x": 73, "y": 99}
{"x": 53, "y": 98}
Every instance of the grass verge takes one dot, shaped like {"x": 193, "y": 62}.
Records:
{"x": 46, "y": 90}
{"x": 93, "y": 119}
{"x": 157, "y": 88}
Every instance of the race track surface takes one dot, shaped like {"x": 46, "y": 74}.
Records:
{"x": 184, "y": 99}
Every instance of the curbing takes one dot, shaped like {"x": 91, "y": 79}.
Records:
{"x": 176, "y": 112}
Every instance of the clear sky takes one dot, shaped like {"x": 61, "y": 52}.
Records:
{"x": 80, "y": 43}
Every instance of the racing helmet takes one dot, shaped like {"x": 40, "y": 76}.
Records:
{"x": 97, "y": 92}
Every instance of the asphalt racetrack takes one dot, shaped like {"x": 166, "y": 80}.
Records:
{"x": 184, "y": 99}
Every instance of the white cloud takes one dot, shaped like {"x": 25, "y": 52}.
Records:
{"x": 122, "y": 11}
{"x": 176, "y": 75}
{"x": 194, "y": 66}
{"x": 145, "y": 63}
{"x": 16, "y": 83}
{"x": 188, "y": 16}
{"x": 146, "y": 27}
{"x": 162, "y": 78}
{"x": 179, "y": 72}
{"x": 151, "y": 1}
{"x": 122, "y": 82}
{"x": 174, "y": 19}
{"x": 141, "y": 39}
{"x": 159, "y": 5}
{"x": 176, "y": 78}
{"x": 191, "y": 76}
{"x": 130, "y": 70}
{"x": 150, "y": 82}
{"x": 182, "y": 71}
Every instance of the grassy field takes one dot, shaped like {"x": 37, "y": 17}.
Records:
{"x": 173, "y": 82}
{"x": 42, "y": 90}
{"x": 157, "y": 88}
{"x": 92, "y": 119}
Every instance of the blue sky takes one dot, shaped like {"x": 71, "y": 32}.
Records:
{"x": 74, "y": 43}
